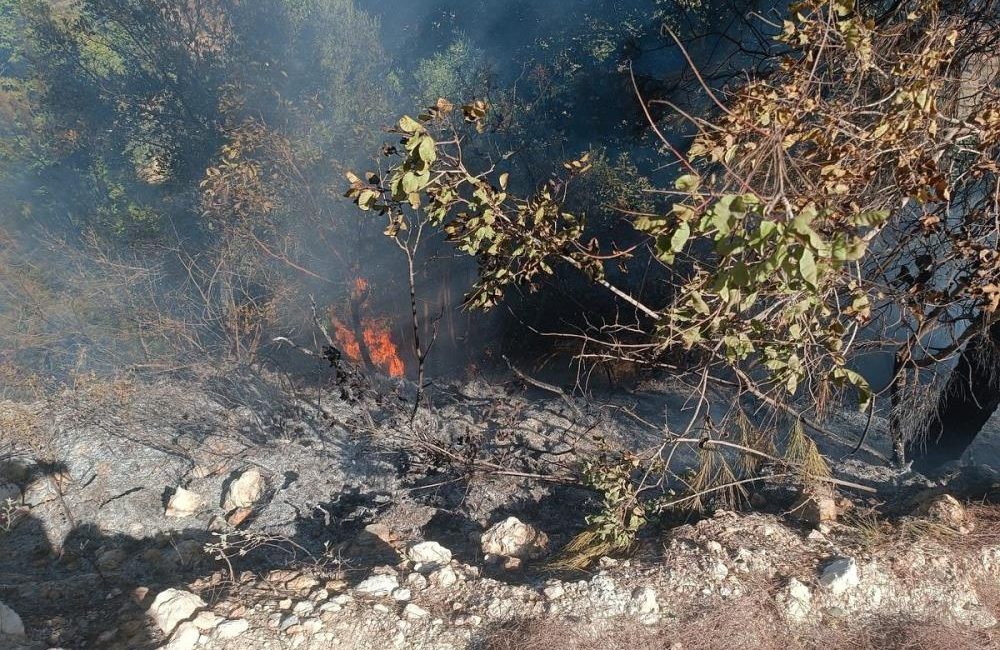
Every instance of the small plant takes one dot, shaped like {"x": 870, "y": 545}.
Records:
{"x": 10, "y": 515}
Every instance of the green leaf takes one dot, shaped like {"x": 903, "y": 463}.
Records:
{"x": 871, "y": 218}
{"x": 427, "y": 149}
{"x": 688, "y": 183}
{"x": 680, "y": 237}
{"x": 409, "y": 125}
{"x": 807, "y": 268}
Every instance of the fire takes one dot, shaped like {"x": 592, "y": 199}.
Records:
{"x": 373, "y": 344}
{"x": 381, "y": 347}
{"x": 360, "y": 288}
{"x": 347, "y": 343}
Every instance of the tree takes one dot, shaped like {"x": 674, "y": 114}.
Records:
{"x": 840, "y": 202}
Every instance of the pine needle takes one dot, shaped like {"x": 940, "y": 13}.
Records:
{"x": 803, "y": 454}
{"x": 581, "y": 552}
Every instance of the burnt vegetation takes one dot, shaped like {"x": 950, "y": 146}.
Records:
{"x": 790, "y": 212}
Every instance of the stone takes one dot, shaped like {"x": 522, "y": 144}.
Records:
{"x": 816, "y": 506}
{"x": 207, "y": 620}
{"x": 171, "y": 607}
{"x": 416, "y": 581}
{"x": 840, "y": 575}
{"x": 184, "y": 503}
{"x": 232, "y": 629}
{"x": 946, "y": 509}
{"x": 720, "y": 571}
{"x": 236, "y": 518}
{"x": 513, "y": 538}
{"x": 185, "y": 638}
{"x": 644, "y": 601}
{"x": 303, "y": 608}
{"x": 378, "y": 585}
{"x": 798, "y": 601}
{"x": 245, "y": 491}
{"x": 554, "y": 592}
{"x": 301, "y": 584}
{"x": 444, "y": 577}
{"x": 412, "y": 612}
{"x": 402, "y": 594}
{"x": 10, "y": 622}
{"x": 430, "y": 555}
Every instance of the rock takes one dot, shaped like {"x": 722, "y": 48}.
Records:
{"x": 429, "y": 555}
{"x": 378, "y": 585}
{"x": 303, "y": 608}
{"x": 840, "y": 575}
{"x": 232, "y": 629}
{"x": 946, "y": 509}
{"x": 816, "y": 506}
{"x": 184, "y": 503}
{"x": 513, "y": 538}
{"x": 207, "y": 620}
{"x": 416, "y": 581}
{"x": 554, "y": 592}
{"x": 301, "y": 584}
{"x": 798, "y": 601}
{"x": 185, "y": 638}
{"x": 174, "y": 606}
{"x": 10, "y": 622}
{"x": 720, "y": 571}
{"x": 412, "y": 612}
{"x": 444, "y": 577}
{"x": 402, "y": 594}
{"x": 644, "y": 601}
{"x": 236, "y": 518}
{"x": 287, "y": 622}
{"x": 245, "y": 491}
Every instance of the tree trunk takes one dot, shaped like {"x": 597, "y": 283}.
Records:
{"x": 968, "y": 401}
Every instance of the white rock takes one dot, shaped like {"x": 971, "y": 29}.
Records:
{"x": 430, "y": 555}
{"x": 207, "y": 620}
{"x": 402, "y": 594}
{"x": 412, "y": 611}
{"x": 10, "y": 622}
{"x": 232, "y": 629}
{"x": 444, "y": 577}
{"x": 840, "y": 575}
{"x": 184, "y": 503}
{"x": 416, "y": 581}
{"x": 378, "y": 585}
{"x": 513, "y": 538}
{"x": 798, "y": 602}
{"x": 644, "y": 601}
{"x": 554, "y": 592}
{"x": 185, "y": 638}
{"x": 245, "y": 491}
{"x": 304, "y": 608}
{"x": 174, "y": 606}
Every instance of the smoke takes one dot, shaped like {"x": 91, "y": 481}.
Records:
{"x": 171, "y": 170}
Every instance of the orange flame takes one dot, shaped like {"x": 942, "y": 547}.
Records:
{"x": 375, "y": 336}
{"x": 381, "y": 348}
{"x": 345, "y": 339}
